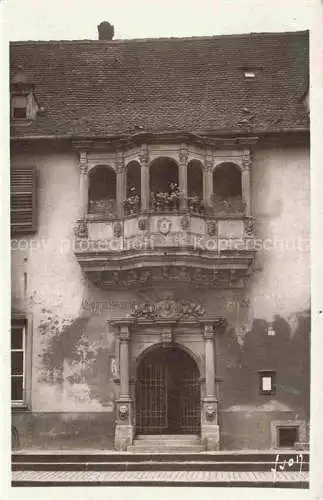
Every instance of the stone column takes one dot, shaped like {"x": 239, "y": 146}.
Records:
{"x": 120, "y": 170}
{"x": 208, "y": 179}
{"x": 182, "y": 177}
{"x": 210, "y": 432}
{"x": 245, "y": 182}
{"x": 144, "y": 171}
{"x": 124, "y": 429}
{"x": 83, "y": 185}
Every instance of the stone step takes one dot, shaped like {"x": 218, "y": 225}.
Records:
{"x": 174, "y": 437}
{"x": 166, "y": 451}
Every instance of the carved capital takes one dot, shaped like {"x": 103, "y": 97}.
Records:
{"x": 144, "y": 155}
{"x": 83, "y": 163}
{"x": 208, "y": 332}
{"x": 183, "y": 155}
{"x": 246, "y": 160}
{"x": 124, "y": 333}
{"x": 120, "y": 166}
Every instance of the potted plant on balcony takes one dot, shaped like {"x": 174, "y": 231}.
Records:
{"x": 132, "y": 203}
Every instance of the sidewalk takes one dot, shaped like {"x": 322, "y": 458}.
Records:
{"x": 161, "y": 478}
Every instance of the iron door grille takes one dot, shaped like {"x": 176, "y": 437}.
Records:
{"x": 151, "y": 398}
{"x": 167, "y": 393}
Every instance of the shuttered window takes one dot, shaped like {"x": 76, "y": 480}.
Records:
{"x": 23, "y": 200}
{"x": 18, "y": 342}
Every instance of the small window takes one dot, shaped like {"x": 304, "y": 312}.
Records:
{"x": 287, "y": 437}
{"x": 249, "y": 75}
{"x": 267, "y": 382}
{"x": 19, "y": 113}
{"x": 18, "y": 349}
{"x": 19, "y": 107}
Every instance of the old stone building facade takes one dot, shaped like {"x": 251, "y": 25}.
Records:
{"x": 160, "y": 241}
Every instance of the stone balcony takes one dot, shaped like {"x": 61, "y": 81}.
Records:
{"x": 181, "y": 248}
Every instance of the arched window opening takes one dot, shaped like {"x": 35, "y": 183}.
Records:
{"x": 227, "y": 190}
{"x": 133, "y": 188}
{"x": 102, "y": 191}
{"x": 164, "y": 189}
{"x": 195, "y": 187}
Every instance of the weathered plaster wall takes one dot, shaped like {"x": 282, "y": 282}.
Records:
{"x": 73, "y": 376}
{"x": 281, "y": 208}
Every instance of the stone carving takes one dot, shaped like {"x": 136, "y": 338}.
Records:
{"x": 183, "y": 155}
{"x": 249, "y": 227}
{"x": 210, "y": 412}
{"x": 246, "y": 160}
{"x": 166, "y": 337}
{"x": 81, "y": 229}
{"x": 164, "y": 226}
{"x": 143, "y": 224}
{"x": 185, "y": 222}
{"x": 123, "y": 412}
{"x": 117, "y": 229}
{"x": 167, "y": 309}
{"x": 144, "y": 156}
{"x": 83, "y": 163}
{"x": 211, "y": 227}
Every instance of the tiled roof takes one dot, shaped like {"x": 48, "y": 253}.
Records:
{"x": 107, "y": 88}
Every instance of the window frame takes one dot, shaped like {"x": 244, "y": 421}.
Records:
{"x": 265, "y": 374}
{"x": 25, "y": 322}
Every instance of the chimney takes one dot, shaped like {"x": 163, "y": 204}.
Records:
{"x": 106, "y": 31}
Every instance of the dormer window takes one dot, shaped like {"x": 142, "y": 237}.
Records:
{"x": 24, "y": 106}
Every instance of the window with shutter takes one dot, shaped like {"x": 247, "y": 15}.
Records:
{"x": 23, "y": 200}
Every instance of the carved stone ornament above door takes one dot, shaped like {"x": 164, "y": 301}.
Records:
{"x": 167, "y": 309}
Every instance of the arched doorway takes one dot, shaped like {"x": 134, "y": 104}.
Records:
{"x": 167, "y": 393}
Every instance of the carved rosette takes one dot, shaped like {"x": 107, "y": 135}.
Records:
{"x": 249, "y": 227}
{"x": 185, "y": 222}
{"x": 211, "y": 227}
{"x": 143, "y": 224}
{"x": 81, "y": 230}
{"x": 117, "y": 229}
